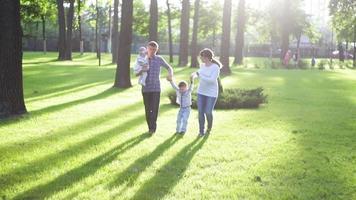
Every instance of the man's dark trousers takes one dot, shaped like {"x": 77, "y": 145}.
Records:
{"x": 151, "y": 101}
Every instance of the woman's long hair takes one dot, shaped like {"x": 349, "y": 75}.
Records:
{"x": 208, "y": 53}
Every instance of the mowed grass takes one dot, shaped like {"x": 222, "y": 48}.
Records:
{"x": 83, "y": 139}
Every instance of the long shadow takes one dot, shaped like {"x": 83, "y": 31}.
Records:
{"x": 40, "y": 62}
{"x": 132, "y": 172}
{"x": 169, "y": 174}
{"x": 79, "y": 173}
{"x": 13, "y": 148}
{"x": 31, "y": 169}
{"x": 71, "y": 89}
{"x": 58, "y": 107}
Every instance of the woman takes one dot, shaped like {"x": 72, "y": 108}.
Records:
{"x": 208, "y": 89}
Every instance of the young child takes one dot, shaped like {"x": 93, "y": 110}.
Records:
{"x": 184, "y": 99}
{"x": 142, "y": 64}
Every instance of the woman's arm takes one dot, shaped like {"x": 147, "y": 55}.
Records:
{"x": 212, "y": 78}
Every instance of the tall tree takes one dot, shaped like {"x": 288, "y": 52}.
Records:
{"x": 239, "y": 42}
{"x": 115, "y": 32}
{"x": 70, "y": 17}
{"x": 81, "y": 42}
{"x": 225, "y": 40}
{"x": 62, "y": 31}
{"x": 153, "y": 21}
{"x": 65, "y": 30}
{"x": 37, "y": 11}
{"x": 285, "y": 23}
{"x": 11, "y": 86}
{"x": 122, "y": 79}
{"x": 97, "y": 48}
{"x": 344, "y": 22}
{"x": 184, "y": 33}
{"x": 170, "y": 40}
{"x": 194, "y": 48}
{"x": 97, "y": 33}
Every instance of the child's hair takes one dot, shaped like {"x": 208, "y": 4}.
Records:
{"x": 142, "y": 49}
{"x": 182, "y": 84}
{"x": 208, "y": 53}
{"x": 153, "y": 44}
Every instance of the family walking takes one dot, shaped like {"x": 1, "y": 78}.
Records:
{"x": 148, "y": 68}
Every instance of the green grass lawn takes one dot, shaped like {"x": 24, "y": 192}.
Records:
{"x": 83, "y": 139}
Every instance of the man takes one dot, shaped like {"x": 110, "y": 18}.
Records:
{"x": 152, "y": 90}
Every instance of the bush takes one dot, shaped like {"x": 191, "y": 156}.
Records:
{"x": 321, "y": 65}
{"x": 231, "y": 98}
{"x": 302, "y": 64}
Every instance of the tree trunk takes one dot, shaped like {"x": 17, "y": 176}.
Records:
{"x": 331, "y": 48}
{"x": 354, "y": 59}
{"x": 285, "y": 44}
{"x": 44, "y": 39}
{"x": 122, "y": 79}
{"x": 239, "y": 42}
{"x": 97, "y": 35}
{"x": 153, "y": 21}
{"x": 115, "y": 32}
{"x": 36, "y": 35}
{"x": 285, "y": 29}
{"x": 62, "y": 31}
{"x": 96, "y": 30}
{"x": 70, "y": 16}
{"x": 341, "y": 52}
{"x": 225, "y": 40}
{"x": 80, "y": 28}
{"x": 214, "y": 38}
{"x": 170, "y": 41}
{"x": 11, "y": 86}
{"x": 110, "y": 32}
{"x": 184, "y": 34}
{"x": 194, "y": 49}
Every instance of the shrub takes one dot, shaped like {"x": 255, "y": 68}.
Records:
{"x": 231, "y": 98}
{"x": 302, "y": 64}
{"x": 321, "y": 65}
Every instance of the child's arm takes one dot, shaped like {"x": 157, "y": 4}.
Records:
{"x": 174, "y": 85}
{"x": 191, "y": 87}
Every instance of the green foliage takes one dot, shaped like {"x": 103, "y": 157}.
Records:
{"x": 210, "y": 20}
{"x": 231, "y": 98}
{"x": 343, "y": 18}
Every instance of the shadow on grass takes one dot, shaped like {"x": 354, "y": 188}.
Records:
{"x": 169, "y": 174}
{"x": 79, "y": 173}
{"x": 11, "y": 150}
{"x": 132, "y": 172}
{"x": 58, "y": 107}
{"x": 40, "y": 62}
{"x": 66, "y": 90}
{"x": 34, "y": 168}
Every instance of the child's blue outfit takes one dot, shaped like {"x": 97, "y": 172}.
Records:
{"x": 185, "y": 101}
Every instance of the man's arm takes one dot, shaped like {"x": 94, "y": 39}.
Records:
{"x": 169, "y": 69}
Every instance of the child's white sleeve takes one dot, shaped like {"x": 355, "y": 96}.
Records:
{"x": 137, "y": 68}
{"x": 174, "y": 85}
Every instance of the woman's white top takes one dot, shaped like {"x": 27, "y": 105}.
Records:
{"x": 208, "y": 76}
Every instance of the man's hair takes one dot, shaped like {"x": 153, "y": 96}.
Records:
{"x": 153, "y": 44}
{"x": 182, "y": 84}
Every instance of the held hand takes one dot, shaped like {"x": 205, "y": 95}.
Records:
{"x": 145, "y": 68}
{"x": 194, "y": 75}
{"x": 169, "y": 78}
